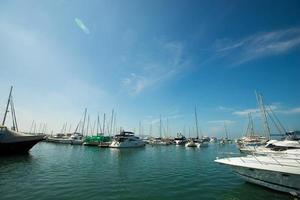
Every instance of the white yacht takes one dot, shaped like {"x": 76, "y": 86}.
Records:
{"x": 281, "y": 173}
{"x": 76, "y": 139}
{"x": 180, "y": 139}
{"x": 126, "y": 140}
{"x": 192, "y": 143}
{"x": 272, "y": 146}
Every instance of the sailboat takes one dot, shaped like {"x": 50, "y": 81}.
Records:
{"x": 225, "y": 140}
{"x": 11, "y": 140}
{"x": 194, "y": 142}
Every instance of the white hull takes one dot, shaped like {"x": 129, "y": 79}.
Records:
{"x": 192, "y": 144}
{"x": 125, "y": 144}
{"x": 180, "y": 142}
{"x": 281, "y": 173}
{"x": 77, "y": 142}
{"x": 282, "y": 182}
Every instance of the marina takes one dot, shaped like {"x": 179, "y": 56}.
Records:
{"x": 273, "y": 164}
{"x": 150, "y": 100}
{"x": 152, "y": 172}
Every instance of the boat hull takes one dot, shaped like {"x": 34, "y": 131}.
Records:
{"x": 282, "y": 182}
{"x": 126, "y": 144}
{"x": 20, "y": 147}
{"x": 59, "y": 140}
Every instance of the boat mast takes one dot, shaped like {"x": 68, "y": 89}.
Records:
{"x": 7, "y": 105}
{"x": 263, "y": 114}
{"x": 160, "y": 126}
{"x": 98, "y": 122}
{"x": 103, "y": 129}
{"x": 13, "y": 112}
{"x": 226, "y": 132}
{"x": 88, "y": 124}
{"x": 251, "y": 124}
{"x": 279, "y": 125}
{"x": 115, "y": 123}
{"x": 111, "y": 122}
{"x": 140, "y": 128}
{"x": 167, "y": 128}
{"x": 150, "y": 130}
{"x": 82, "y": 130}
{"x": 93, "y": 130}
{"x": 196, "y": 118}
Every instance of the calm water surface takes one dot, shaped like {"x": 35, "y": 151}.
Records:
{"x": 58, "y": 171}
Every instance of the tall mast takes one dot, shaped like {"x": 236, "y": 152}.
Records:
{"x": 115, "y": 123}
{"x": 160, "y": 126}
{"x": 82, "y": 130}
{"x": 7, "y": 105}
{"x": 167, "y": 127}
{"x": 251, "y": 125}
{"x": 98, "y": 124}
{"x": 31, "y": 128}
{"x": 88, "y": 124}
{"x": 196, "y": 118}
{"x": 93, "y": 130}
{"x": 13, "y": 112}
{"x": 77, "y": 127}
{"x": 140, "y": 128}
{"x": 226, "y": 133}
{"x": 150, "y": 130}
{"x": 103, "y": 129}
{"x": 263, "y": 114}
{"x": 111, "y": 122}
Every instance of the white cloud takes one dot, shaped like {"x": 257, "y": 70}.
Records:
{"x": 257, "y": 45}
{"x": 223, "y": 108}
{"x": 82, "y": 26}
{"x": 221, "y": 122}
{"x": 155, "y": 120}
{"x": 253, "y": 111}
{"x": 134, "y": 84}
{"x": 156, "y": 70}
{"x": 291, "y": 111}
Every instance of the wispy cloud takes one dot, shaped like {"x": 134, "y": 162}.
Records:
{"x": 257, "y": 46}
{"x": 291, "y": 111}
{"x": 254, "y": 111}
{"x": 221, "y": 122}
{"x": 157, "y": 69}
{"x": 82, "y": 26}
{"x": 173, "y": 115}
{"x": 224, "y": 108}
{"x": 134, "y": 84}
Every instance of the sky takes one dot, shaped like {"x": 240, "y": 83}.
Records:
{"x": 147, "y": 59}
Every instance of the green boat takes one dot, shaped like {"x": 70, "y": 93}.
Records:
{"x": 96, "y": 140}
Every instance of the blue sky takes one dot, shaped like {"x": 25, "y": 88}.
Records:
{"x": 150, "y": 58}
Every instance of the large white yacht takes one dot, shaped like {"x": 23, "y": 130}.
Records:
{"x": 180, "y": 139}
{"x": 126, "y": 140}
{"x": 281, "y": 173}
